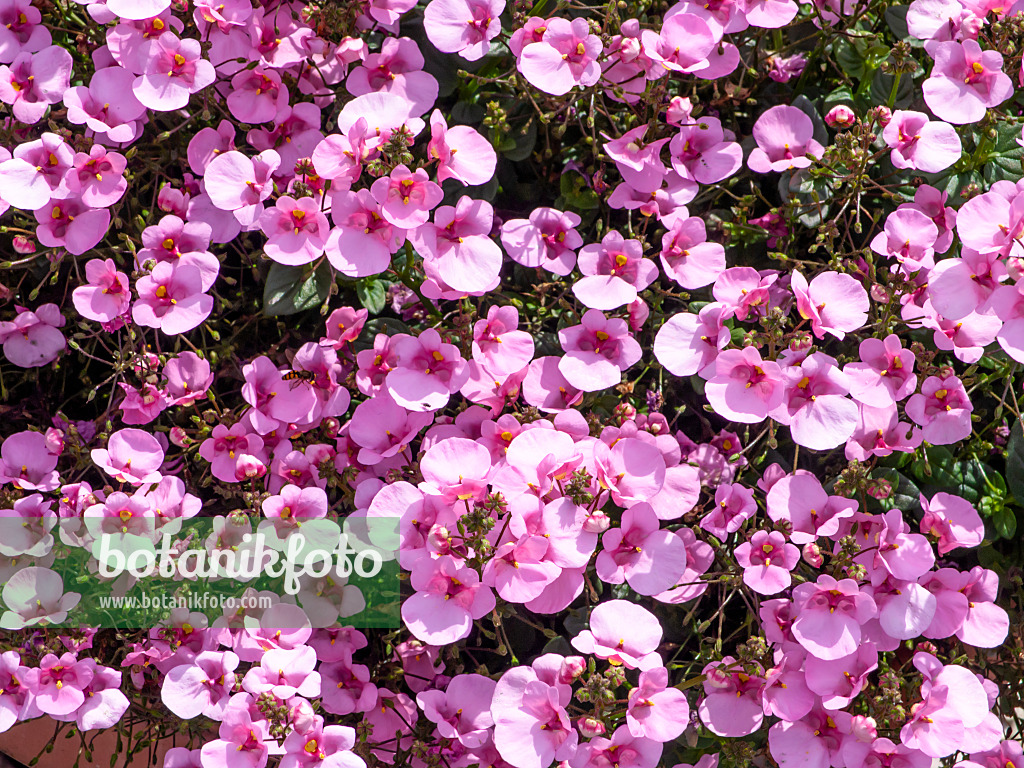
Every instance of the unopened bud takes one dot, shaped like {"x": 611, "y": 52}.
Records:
{"x": 572, "y": 667}
{"x": 812, "y": 555}
{"x": 590, "y": 727}
{"x": 597, "y": 522}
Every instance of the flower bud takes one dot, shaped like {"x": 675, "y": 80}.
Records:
{"x": 812, "y": 555}
{"x": 572, "y": 667}
{"x": 879, "y": 294}
{"x": 179, "y": 437}
{"x": 883, "y": 115}
{"x": 864, "y": 728}
{"x": 302, "y": 716}
{"x": 55, "y": 441}
{"x": 597, "y": 522}
{"x": 840, "y": 116}
{"x": 590, "y": 727}
{"x": 23, "y": 244}
{"x": 1015, "y": 267}
{"x": 248, "y": 467}
{"x": 331, "y": 426}
{"x": 439, "y": 539}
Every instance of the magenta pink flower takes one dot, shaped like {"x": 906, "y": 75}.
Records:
{"x": 427, "y": 373}
{"x": 188, "y": 377}
{"x": 943, "y": 409}
{"x": 362, "y": 242}
{"x": 200, "y": 686}
{"x": 107, "y": 106}
{"x": 953, "y": 700}
{"x": 321, "y": 746}
{"x": 237, "y": 183}
{"x": 919, "y": 143}
{"x": 33, "y": 339}
{"x": 397, "y": 69}
{"x": 687, "y": 344}
{"x": 34, "y": 81}
{"x": 703, "y": 152}
{"x": 548, "y": 239}
{"x": 744, "y": 387}
{"x": 406, "y": 197}
{"x": 296, "y": 230}
{"x": 465, "y": 27}
{"x": 531, "y": 726}
{"x": 97, "y": 177}
{"x": 834, "y": 303}
{"x": 498, "y": 345}
{"x": 829, "y": 616}
{"x": 908, "y": 236}
{"x": 732, "y": 706}
{"x": 687, "y": 257}
{"x": 683, "y": 44}
{"x": 519, "y": 571}
{"x": 953, "y": 521}
{"x": 256, "y": 95}
{"x": 58, "y": 683}
{"x": 131, "y": 456}
{"x": 460, "y": 151}
{"x": 284, "y": 673}
{"x": 785, "y": 138}
{"x": 622, "y": 632}
{"x": 886, "y": 374}
{"x": 106, "y": 296}
{"x": 566, "y": 57}
{"x": 243, "y": 740}
{"x": 21, "y": 30}
{"x": 226, "y": 447}
{"x": 614, "y": 270}
{"x": 458, "y": 245}
{"x": 174, "y": 69}
{"x": 597, "y": 351}
{"x": 171, "y": 298}
{"x": 734, "y": 505}
{"x": 639, "y": 552}
{"x": 655, "y": 711}
{"x": 448, "y": 598}
{"x": 801, "y": 501}
{"x": 767, "y": 560}
{"x": 72, "y": 224}
{"x": 964, "y": 81}
{"x": 815, "y": 405}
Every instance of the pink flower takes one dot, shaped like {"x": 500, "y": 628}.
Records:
{"x": 397, "y": 69}
{"x": 174, "y": 69}
{"x": 106, "y": 296}
{"x": 428, "y": 371}
{"x": 362, "y": 242}
{"x": 27, "y": 462}
{"x": 744, "y": 387}
{"x": 32, "y": 339}
{"x": 188, "y": 377}
{"x": 548, "y": 239}
{"x": 597, "y": 351}
{"x": 284, "y": 673}
{"x": 834, "y": 303}
{"x": 36, "y": 597}
{"x": 463, "y": 710}
{"x": 943, "y": 409}
{"x": 886, "y": 374}
{"x": 200, "y": 686}
{"x": 448, "y": 598}
{"x": 687, "y": 257}
{"x": 460, "y": 151}
{"x": 465, "y": 27}
{"x": 919, "y": 143}
{"x": 801, "y": 501}
{"x": 702, "y": 152}
{"x": 58, "y": 683}
{"x": 767, "y": 560}
{"x": 97, "y": 177}
{"x": 733, "y": 506}
{"x": 321, "y": 746}
{"x": 614, "y": 270}
{"x": 458, "y": 245}
{"x": 732, "y": 706}
{"x": 171, "y": 298}
{"x": 531, "y": 726}
{"x": 519, "y": 571}
{"x": 639, "y": 552}
{"x": 829, "y": 616}
{"x": 296, "y": 229}
{"x": 964, "y": 81}
{"x": 72, "y": 224}
{"x": 952, "y": 701}
{"x": 243, "y": 740}
{"x": 624, "y": 633}
{"x": 687, "y": 344}
{"x": 908, "y": 236}
{"x": 684, "y": 44}
{"x": 953, "y": 521}
{"x": 226, "y": 447}
{"x": 655, "y": 711}
{"x": 814, "y": 405}
{"x": 131, "y": 456}
{"x": 34, "y": 81}
{"x": 237, "y": 183}
{"x": 256, "y": 95}
{"x": 498, "y": 345}
{"x": 107, "y": 106}
{"x": 21, "y": 30}
{"x": 566, "y": 57}
{"x": 784, "y": 136}
{"x": 406, "y": 197}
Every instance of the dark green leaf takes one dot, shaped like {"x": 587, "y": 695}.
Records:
{"x": 905, "y": 493}
{"x": 289, "y": 290}
{"x": 1005, "y": 158}
{"x": 1015, "y": 463}
{"x": 1005, "y": 522}
{"x": 372, "y": 294}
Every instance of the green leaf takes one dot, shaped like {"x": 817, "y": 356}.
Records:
{"x": 905, "y": 493}
{"x": 896, "y": 18}
{"x": 850, "y": 59}
{"x": 1006, "y": 159}
{"x": 372, "y": 294}
{"x": 1015, "y": 463}
{"x": 518, "y": 144}
{"x": 575, "y": 192}
{"x": 289, "y": 290}
{"x": 1005, "y": 522}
